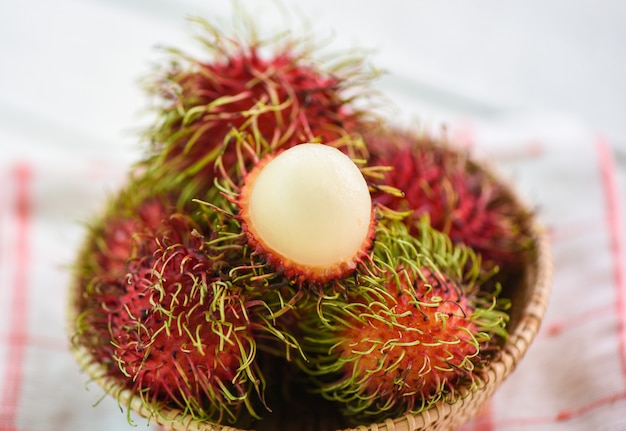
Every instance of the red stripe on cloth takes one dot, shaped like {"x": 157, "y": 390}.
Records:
{"x": 42, "y": 342}
{"x": 573, "y": 322}
{"x": 563, "y": 416}
{"x": 484, "y": 420}
{"x": 18, "y": 318}
{"x": 614, "y": 219}
{"x": 5, "y": 181}
{"x": 602, "y": 402}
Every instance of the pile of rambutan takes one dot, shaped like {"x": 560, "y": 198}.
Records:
{"x": 281, "y": 256}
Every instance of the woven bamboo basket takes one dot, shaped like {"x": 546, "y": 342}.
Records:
{"x": 529, "y": 298}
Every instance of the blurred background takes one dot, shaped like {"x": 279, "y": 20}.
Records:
{"x": 507, "y": 77}
{"x": 74, "y": 63}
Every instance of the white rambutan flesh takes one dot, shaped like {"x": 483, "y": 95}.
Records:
{"x": 309, "y": 210}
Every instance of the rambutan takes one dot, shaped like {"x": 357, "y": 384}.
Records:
{"x": 460, "y": 197}
{"x": 113, "y": 241}
{"x": 270, "y": 89}
{"x": 180, "y": 333}
{"x": 173, "y": 307}
{"x": 169, "y": 326}
{"x": 120, "y": 237}
{"x": 308, "y": 211}
{"x": 401, "y": 340}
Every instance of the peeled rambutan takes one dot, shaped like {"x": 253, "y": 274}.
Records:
{"x": 271, "y": 90}
{"x": 400, "y": 340}
{"x": 308, "y": 211}
{"x": 461, "y": 198}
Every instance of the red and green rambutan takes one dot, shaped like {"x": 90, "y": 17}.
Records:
{"x": 272, "y": 89}
{"x": 173, "y": 308}
{"x": 182, "y": 334}
{"x": 460, "y": 197}
{"x": 121, "y": 236}
{"x": 405, "y": 336}
{"x": 113, "y": 240}
{"x": 158, "y": 323}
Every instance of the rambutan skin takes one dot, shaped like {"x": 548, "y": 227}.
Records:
{"x": 121, "y": 237}
{"x": 395, "y": 351}
{"x": 180, "y": 334}
{"x": 401, "y": 339}
{"x": 112, "y": 241}
{"x": 162, "y": 318}
{"x": 275, "y": 93}
{"x": 461, "y": 199}
{"x": 406, "y": 360}
{"x": 174, "y": 307}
